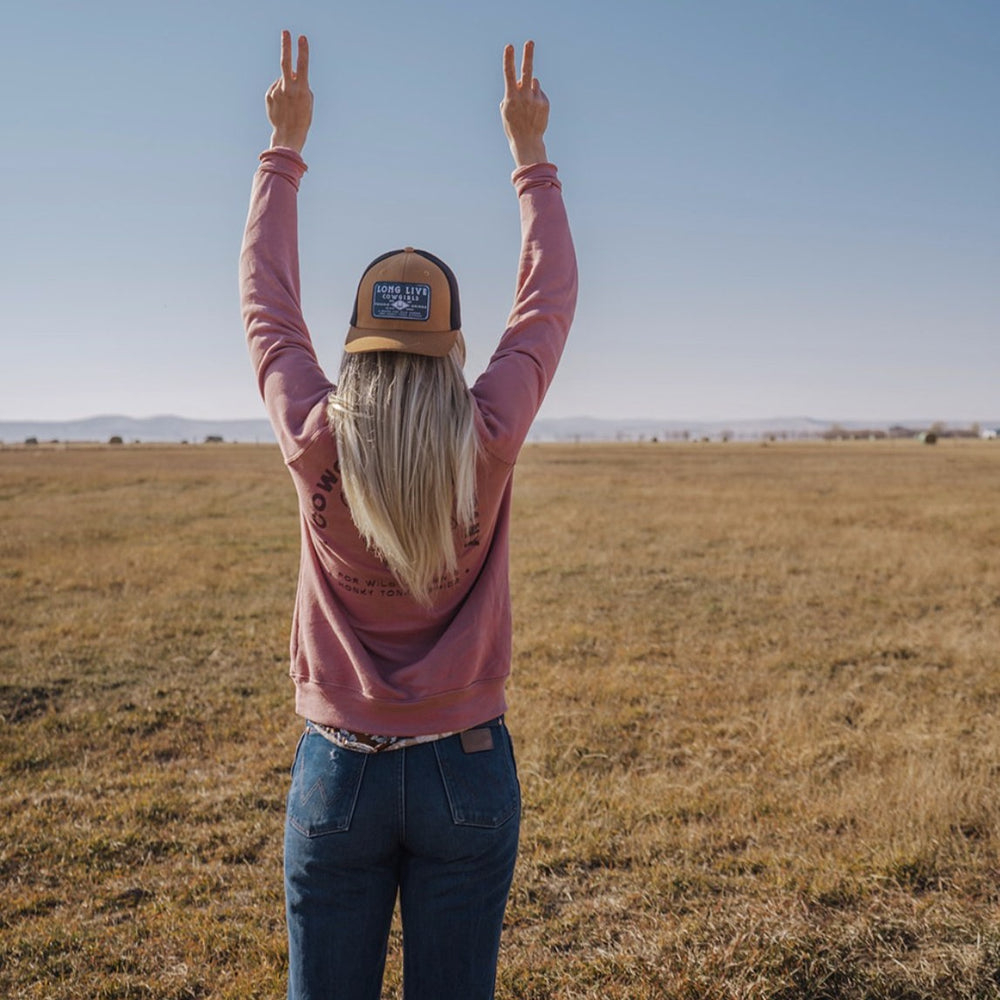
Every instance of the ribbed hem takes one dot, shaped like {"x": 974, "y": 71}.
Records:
{"x": 535, "y": 175}
{"x": 285, "y": 161}
{"x": 450, "y": 712}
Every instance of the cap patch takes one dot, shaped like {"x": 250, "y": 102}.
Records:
{"x": 394, "y": 300}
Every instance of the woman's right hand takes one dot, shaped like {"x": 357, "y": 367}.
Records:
{"x": 289, "y": 99}
{"x": 524, "y": 109}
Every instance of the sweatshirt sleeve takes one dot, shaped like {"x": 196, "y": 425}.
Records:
{"x": 288, "y": 374}
{"x": 510, "y": 391}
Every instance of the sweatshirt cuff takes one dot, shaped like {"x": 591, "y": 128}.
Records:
{"x": 535, "y": 175}
{"x": 284, "y": 161}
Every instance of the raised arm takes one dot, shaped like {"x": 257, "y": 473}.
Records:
{"x": 524, "y": 109}
{"x": 514, "y": 384}
{"x": 289, "y": 376}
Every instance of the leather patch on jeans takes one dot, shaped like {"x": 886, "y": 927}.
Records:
{"x": 476, "y": 740}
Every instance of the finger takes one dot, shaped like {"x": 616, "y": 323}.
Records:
{"x": 527, "y": 64}
{"x": 286, "y": 57}
{"x": 302, "y": 66}
{"x": 509, "y": 79}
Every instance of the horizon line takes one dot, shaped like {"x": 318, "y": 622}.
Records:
{"x": 901, "y": 421}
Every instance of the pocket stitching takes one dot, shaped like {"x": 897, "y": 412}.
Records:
{"x": 342, "y": 825}
{"x": 458, "y": 815}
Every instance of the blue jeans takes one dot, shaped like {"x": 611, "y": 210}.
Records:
{"x": 437, "y": 823}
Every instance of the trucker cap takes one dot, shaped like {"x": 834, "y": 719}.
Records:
{"x": 407, "y": 301}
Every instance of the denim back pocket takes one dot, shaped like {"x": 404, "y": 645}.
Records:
{"x": 326, "y": 780}
{"x": 482, "y": 787}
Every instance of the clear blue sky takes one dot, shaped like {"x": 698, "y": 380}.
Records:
{"x": 781, "y": 207}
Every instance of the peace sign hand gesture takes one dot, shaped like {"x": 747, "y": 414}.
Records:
{"x": 289, "y": 99}
{"x": 524, "y": 109}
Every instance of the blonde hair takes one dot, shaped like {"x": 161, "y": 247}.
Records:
{"x": 407, "y": 446}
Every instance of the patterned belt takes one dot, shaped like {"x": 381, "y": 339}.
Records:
{"x": 372, "y": 743}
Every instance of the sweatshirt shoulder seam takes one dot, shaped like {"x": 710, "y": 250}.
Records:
{"x": 307, "y": 444}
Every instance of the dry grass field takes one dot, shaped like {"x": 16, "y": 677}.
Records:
{"x": 755, "y": 702}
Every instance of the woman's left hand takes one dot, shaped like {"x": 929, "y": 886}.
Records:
{"x": 289, "y": 99}
{"x": 524, "y": 109}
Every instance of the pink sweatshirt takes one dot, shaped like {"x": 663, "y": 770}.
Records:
{"x": 364, "y": 654}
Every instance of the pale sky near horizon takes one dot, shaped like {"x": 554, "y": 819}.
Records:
{"x": 781, "y": 207}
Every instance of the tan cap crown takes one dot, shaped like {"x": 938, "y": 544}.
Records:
{"x": 407, "y": 301}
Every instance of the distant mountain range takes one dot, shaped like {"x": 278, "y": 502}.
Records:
{"x": 167, "y": 429}
{"x": 148, "y": 429}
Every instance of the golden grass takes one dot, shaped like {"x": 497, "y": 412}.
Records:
{"x": 754, "y": 702}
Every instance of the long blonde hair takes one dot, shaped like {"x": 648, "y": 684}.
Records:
{"x": 407, "y": 446}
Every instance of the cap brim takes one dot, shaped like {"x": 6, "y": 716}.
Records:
{"x": 431, "y": 344}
